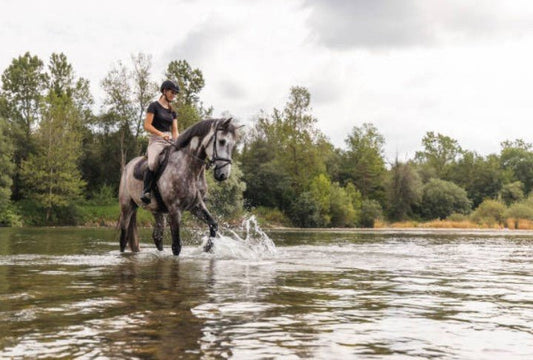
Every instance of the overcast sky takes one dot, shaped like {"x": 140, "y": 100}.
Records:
{"x": 461, "y": 68}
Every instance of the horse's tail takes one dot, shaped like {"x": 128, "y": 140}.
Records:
{"x": 128, "y": 218}
{"x": 128, "y": 228}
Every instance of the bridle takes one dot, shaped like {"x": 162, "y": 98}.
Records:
{"x": 209, "y": 162}
{"x": 215, "y": 158}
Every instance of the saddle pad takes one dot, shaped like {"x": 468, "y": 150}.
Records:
{"x": 140, "y": 169}
{"x": 142, "y": 165}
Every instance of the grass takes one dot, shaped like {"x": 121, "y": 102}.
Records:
{"x": 511, "y": 224}
{"x": 107, "y": 215}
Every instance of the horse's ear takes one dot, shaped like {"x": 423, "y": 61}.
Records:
{"x": 226, "y": 123}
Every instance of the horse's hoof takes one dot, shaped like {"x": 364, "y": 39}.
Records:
{"x": 208, "y": 248}
{"x": 176, "y": 250}
{"x": 159, "y": 247}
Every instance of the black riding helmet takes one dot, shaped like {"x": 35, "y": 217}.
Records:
{"x": 169, "y": 85}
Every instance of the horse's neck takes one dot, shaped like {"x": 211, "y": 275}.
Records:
{"x": 196, "y": 151}
{"x": 195, "y": 158}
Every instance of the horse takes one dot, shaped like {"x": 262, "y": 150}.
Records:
{"x": 179, "y": 183}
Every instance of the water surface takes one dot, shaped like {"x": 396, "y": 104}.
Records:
{"x": 69, "y": 293}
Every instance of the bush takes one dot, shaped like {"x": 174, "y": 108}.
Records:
{"x": 341, "y": 209}
{"x": 519, "y": 211}
{"x": 489, "y": 212}
{"x": 105, "y": 195}
{"x": 269, "y": 216}
{"x": 513, "y": 192}
{"x": 305, "y": 211}
{"x": 335, "y": 203}
{"x": 9, "y": 217}
{"x": 225, "y": 199}
{"x": 370, "y": 212}
{"x": 455, "y": 217}
{"x": 442, "y": 198}
{"x": 33, "y": 214}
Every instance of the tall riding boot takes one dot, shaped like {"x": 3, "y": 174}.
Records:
{"x": 146, "y": 196}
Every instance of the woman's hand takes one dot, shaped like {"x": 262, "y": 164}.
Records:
{"x": 166, "y": 137}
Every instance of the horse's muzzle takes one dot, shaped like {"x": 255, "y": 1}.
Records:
{"x": 220, "y": 176}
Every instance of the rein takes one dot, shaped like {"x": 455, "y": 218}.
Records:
{"x": 209, "y": 162}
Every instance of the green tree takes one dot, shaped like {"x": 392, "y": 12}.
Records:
{"x": 8, "y": 167}
{"x": 63, "y": 82}
{"x": 297, "y": 138}
{"x": 119, "y": 107}
{"x": 281, "y": 155}
{"x": 404, "y": 191}
{"x": 517, "y": 157}
{"x": 191, "y": 82}
{"x": 481, "y": 177}
{"x": 23, "y": 85}
{"x": 51, "y": 175}
{"x": 143, "y": 90}
{"x": 439, "y": 153}
{"x": 363, "y": 162}
{"x": 266, "y": 184}
{"x": 441, "y": 198}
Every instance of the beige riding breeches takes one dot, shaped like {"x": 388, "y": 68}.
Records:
{"x": 156, "y": 144}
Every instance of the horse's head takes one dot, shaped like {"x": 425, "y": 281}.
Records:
{"x": 221, "y": 148}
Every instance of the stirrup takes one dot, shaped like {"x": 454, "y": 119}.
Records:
{"x": 146, "y": 198}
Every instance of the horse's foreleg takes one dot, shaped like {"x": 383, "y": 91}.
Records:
{"x": 159, "y": 227}
{"x": 203, "y": 214}
{"x": 174, "y": 217}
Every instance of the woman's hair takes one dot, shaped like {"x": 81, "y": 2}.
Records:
{"x": 168, "y": 102}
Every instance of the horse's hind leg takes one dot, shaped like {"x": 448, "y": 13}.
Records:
{"x": 159, "y": 227}
{"x": 125, "y": 215}
{"x": 128, "y": 227}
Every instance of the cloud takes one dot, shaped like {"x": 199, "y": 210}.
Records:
{"x": 378, "y": 24}
{"x": 230, "y": 89}
{"x": 201, "y": 41}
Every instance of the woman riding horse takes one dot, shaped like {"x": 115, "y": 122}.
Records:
{"x": 161, "y": 122}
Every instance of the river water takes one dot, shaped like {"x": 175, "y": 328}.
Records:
{"x": 69, "y": 293}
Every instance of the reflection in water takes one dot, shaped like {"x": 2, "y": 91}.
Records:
{"x": 464, "y": 295}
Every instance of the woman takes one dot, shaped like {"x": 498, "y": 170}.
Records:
{"x": 161, "y": 122}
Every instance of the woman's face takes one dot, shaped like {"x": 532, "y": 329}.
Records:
{"x": 170, "y": 94}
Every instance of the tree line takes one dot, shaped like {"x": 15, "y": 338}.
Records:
{"x": 58, "y": 153}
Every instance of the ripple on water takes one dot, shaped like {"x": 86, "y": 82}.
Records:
{"x": 399, "y": 297}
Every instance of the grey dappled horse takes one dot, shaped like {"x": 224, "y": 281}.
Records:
{"x": 179, "y": 183}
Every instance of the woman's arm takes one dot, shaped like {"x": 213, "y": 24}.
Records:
{"x": 175, "y": 132}
{"x": 151, "y": 129}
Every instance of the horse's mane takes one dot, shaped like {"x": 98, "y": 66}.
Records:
{"x": 200, "y": 129}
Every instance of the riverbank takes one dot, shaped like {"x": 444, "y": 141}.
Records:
{"x": 90, "y": 215}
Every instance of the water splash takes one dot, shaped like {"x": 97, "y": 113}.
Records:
{"x": 253, "y": 244}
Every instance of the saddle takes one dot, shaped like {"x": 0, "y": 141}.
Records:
{"x": 142, "y": 166}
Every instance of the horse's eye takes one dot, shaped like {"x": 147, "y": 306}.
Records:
{"x": 222, "y": 142}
